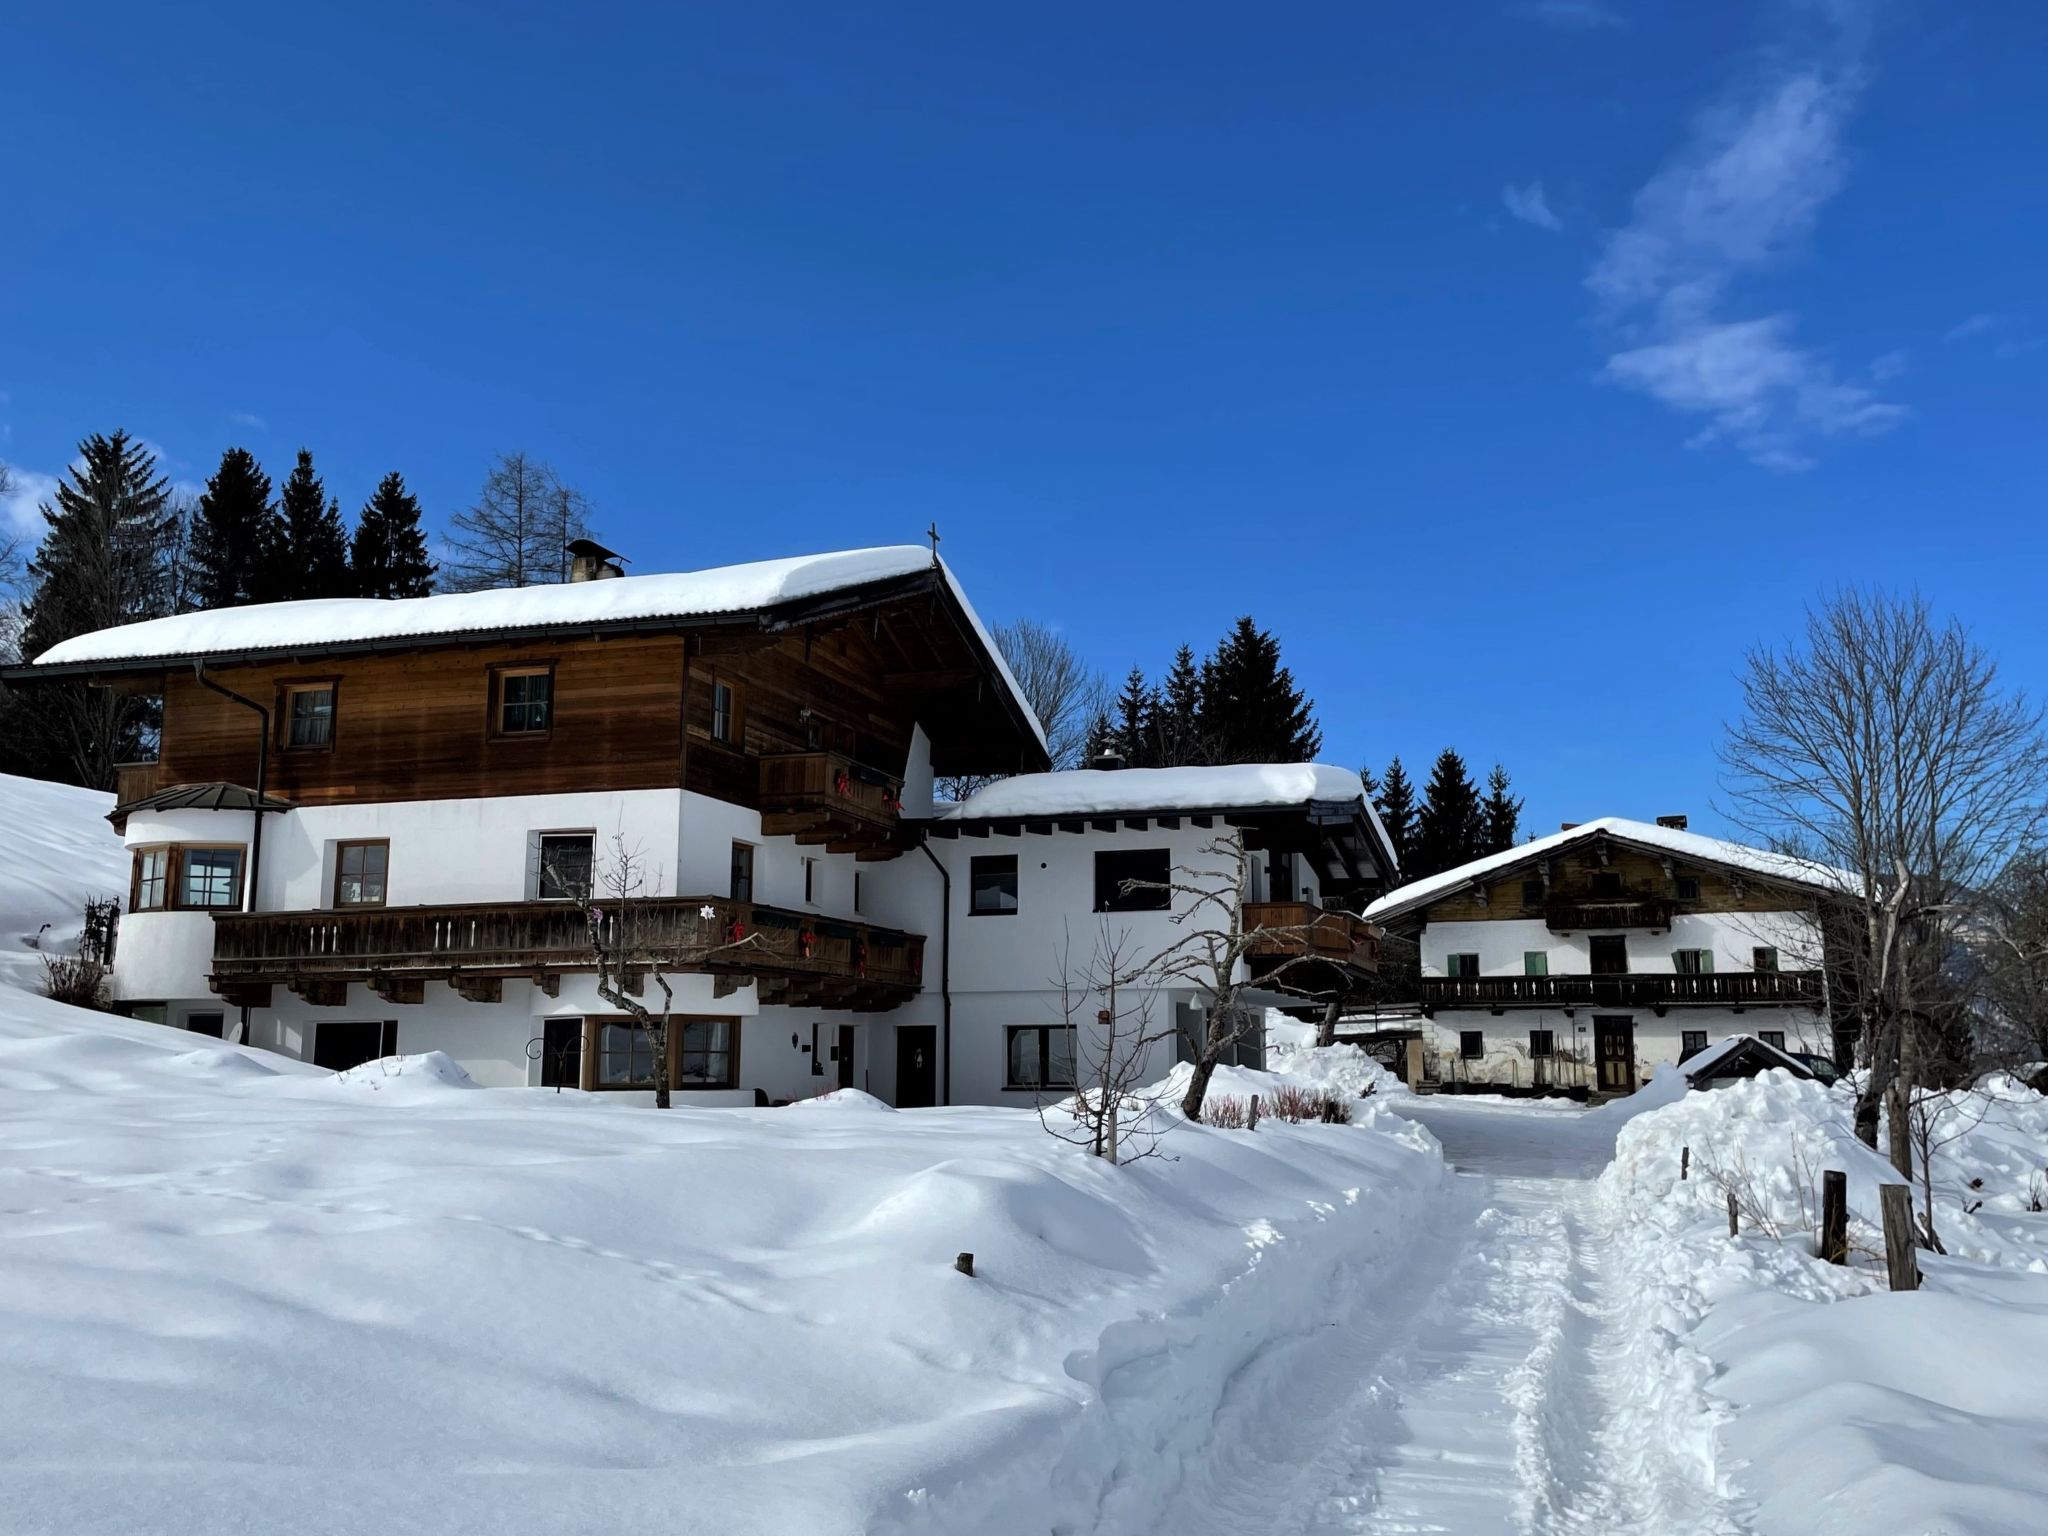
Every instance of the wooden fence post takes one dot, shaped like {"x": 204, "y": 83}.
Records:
{"x": 1734, "y": 1219}
{"x": 1834, "y": 1216}
{"x": 1900, "y": 1256}
{"x": 1684, "y": 1163}
{"x": 964, "y": 1263}
{"x": 1254, "y": 1125}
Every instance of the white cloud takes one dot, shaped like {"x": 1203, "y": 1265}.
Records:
{"x": 1976, "y": 325}
{"x": 1890, "y": 365}
{"x": 27, "y": 490}
{"x": 1530, "y": 206}
{"x": 248, "y": 419}
{"x": 1738, "y": 196}
{"x": 1574, "y": 15}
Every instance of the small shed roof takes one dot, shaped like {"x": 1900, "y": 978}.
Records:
{"x": 1740, "y": 1056}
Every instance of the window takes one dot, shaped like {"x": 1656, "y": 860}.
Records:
{"x": 857, "y": 892}
{"x": 152, "y": 880}
{"x": 1535, "y": 962}
{"x": 210, "y": 1024}
{"x": 625, "y": 1056}
{"x": 704, "y": 1053}
{"x": 1115, "y": 871}
{"x": 724, "y": 713}
{"x": 1688, "y": 887}
{"x": 1606, "y": 882}
{"x": 309, "y": 716}
{"x": 810, "y": 882}
{"x": 523, "y": 702}
{"x": 742, "y": 872}
{"x": 1693, "y": 962}
{"x": 567, "y": 864}
{"x": 1461, "y": 965}
{"x": 1542, "y": 1042}
{"x": 1763, "y": 958}
{"x": 1690, "y": 1043}
{"x": 339, "y": 1044}
{"x": 359, "y": 870}
{"x": 210, "y": 879}
{"x": 1040, "y": 1056}
{"x": 992, "y": 884}
{"x": 1471, "y": 1044}
{"x": 1532, "y": 893}
{"x": 1607, "y": 954}
{"x": 1772, "y": 1037}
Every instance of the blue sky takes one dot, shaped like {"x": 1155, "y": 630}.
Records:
{"x": 1519, "y": 364}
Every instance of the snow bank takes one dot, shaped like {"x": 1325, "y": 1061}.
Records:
{"x": 60, "y": 853}
{"x": 1841, "y": 1407}
{"x": 283, "y": 1306}
{"x": 1098, "y": 791}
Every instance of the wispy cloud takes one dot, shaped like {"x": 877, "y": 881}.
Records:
{"x": 1530, "y": 206}
{"x": 1573, "y": 15}
{"x": 1891, "y": 365}
{"x": 27, "y": 490}
{"x": 1739, "y": 195}
{"x": 1976, "y": 325}
{"x": 250, "y": 420}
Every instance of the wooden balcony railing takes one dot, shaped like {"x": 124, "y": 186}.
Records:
{"x": 1575, "y": 914}
{"x": 1738, "y": 989}
{"x": 827, "y": 798}
{"x": 796, "y": 957}
{"x": 1303, "y": 928}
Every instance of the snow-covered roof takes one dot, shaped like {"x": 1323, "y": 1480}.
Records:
{"x": 1684, "y": 845}
{"x": 1702, "y": 1063}
{"x": 1132, "y": 791}
{"x": 345, "y": 621}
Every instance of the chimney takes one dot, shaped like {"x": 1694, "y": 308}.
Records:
{"x": 1106, "y": 760}
{"x": 591, "y": 561}
{"x": 1566, "y": 826}
{"x": 1675, "y": 823}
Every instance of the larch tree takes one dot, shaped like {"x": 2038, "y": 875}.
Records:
{"x": 232, "y": 547}
{"x": 314, "y": 553}
{"x": 388, "y": 556}
{"x": 1251, "y": 710}
{"x": 1883, "y": 743}
{"x": 515, "y": 535}
{"x": 1500, "y": 814}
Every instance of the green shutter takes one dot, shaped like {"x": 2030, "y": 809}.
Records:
{"x": 1535, "y": 963}
{"x": 1706, "y": 962}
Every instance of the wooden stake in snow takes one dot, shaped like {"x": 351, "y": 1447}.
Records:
{"x": 965, "y": 1264}
{"x": 1834, "y": 1216}
{"x": 1734, "y": 1217}
{"x": 1684, "y": 1163}
{"x": 1254, "y": 1123}
{"x": 1900, "y": 1257}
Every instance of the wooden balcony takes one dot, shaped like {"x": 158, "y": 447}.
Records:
{"x": 796, "y": 958}
{"x": 1737, "y": 989}
{"x": 1341, "y": 949}
{"x": 827, "y": 799}
{"x": 1579, "y": 913}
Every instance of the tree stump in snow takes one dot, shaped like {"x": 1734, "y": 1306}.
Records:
{"x": 1834, "y": 1216}
{"x": 1901, "y": 1257}
{"x": 965, "y": 1264}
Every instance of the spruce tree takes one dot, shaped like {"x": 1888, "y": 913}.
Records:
{"x": 1251, "y": 712}
{"x": 102, "y": 562}
{"x": 1177, "y": 728}
{"x": 1500, "y": 813}
{"x": 1131, "y": 735}
{"x": 389, "y": 555}
{"x": 1101, "y": 738}
{"x": 231, "y": 551}
{"x": 1394, "y": 799}
{"x": 315, "y": 550}
{"x": 1450, "y": 828}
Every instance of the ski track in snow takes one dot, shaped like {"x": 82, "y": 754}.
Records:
{"x": 1489, "y": 1391}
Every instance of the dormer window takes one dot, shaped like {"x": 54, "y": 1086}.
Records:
{"x": 1606, "y": 882}
{"x": 309, "y": 716}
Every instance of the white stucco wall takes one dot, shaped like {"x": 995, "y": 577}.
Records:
{"x": 1658, "y": 1041}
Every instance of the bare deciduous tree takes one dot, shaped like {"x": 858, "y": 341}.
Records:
{"x": 1883, "y": 744}
{"x": 1061, "y": 689}
{"x": 1108, "y": 1005}
{"x": 2012, "y": 941}
{"x": 515, "y": 534}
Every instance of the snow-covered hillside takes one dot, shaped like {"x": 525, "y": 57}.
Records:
{"x": 56, "y": 853}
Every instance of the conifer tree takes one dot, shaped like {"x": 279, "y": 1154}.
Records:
{"x": 1251, "y": 712}
{"x": 1394, "y": 799}
{"x": 231, "y": 552}
{"x": 314, "y": 555}
{"x": 388, "y": 557}
{"x": 1450, "y": 828}
{"x": 1177, "y": 727}
{"x": 1500, "y": 813}
{"x": 1101, "y": 738}
{"x": 1131, "y": 736}
{"x": 101, "y": 563}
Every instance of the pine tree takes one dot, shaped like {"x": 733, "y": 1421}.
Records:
{"x": 314, "y": 555}
{"x": 231, "y": 552}
{"x": 1450, "y": 828}
{"x": 102, "y": 562}
{"x": 1251, "y": 712}
{"x": 1500, "y": 813}
{"x": 1394, "y": 799}
{"x": 1177, "y": 730}
{"x": 1131, "y": 734}
{"x": 389, "y": 555}
{"x": 1101, "y": 738}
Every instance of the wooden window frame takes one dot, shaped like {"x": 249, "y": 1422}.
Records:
{"x": 1471, "y": 1045}
{"x": 1775, "y": 1038}
{"x": 1540, "y": 893}
{"x": 1759, "y": 964}
{"x": 1045, "y": 1032}
{"x": 1542, "y": 1043}
{"x": 174, "y": 876}
{"x": 384, "y": 886}
{"x": 1455, "y": 972}
{"x": 290, "y": 687}
{"x": 753, "y": 870}
{"x": 1686, "y": 1049}
{"x": 1016, "y": 887}
{"x": 736, "y": 717}
{"x": 540, "y": 860}
{"x": 1535, "y": 962}
{"x": 595, "y": 1025}
{"x": 1702, "y": 966}
{"x": 1681, "y": 882}
{"x": 494, "y": 718}
{"x": 170, "y": 878}
{"x": 810, "y": 865}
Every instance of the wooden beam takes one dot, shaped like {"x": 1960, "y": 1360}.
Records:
{"x": 725, "y": 983}
{"x": 549, "y": 982}
{"x": 399, "y": 989}
{"x": 1170, "y": 823}
{"x": 1038, "y": 828}
{"x": 785, "y": 823}
{"x": 321, "y": 991}
{"x": 481, "y": 989}
{"x": 242, "y": 994}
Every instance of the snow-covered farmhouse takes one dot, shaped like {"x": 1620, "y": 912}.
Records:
{"x": 1589, "y": 958}
{"x": 370, "y": 821}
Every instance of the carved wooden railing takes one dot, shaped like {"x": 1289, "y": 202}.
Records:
{"x": 1303, "y": 928}
{"x": 1733, "y": 989}
{"x": 793, "y": 782}
{"x": 1574, "y": 913}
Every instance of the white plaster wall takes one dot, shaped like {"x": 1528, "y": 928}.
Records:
{"x": 163, "y": 955}
{"x": 1501, "y": 944}
{"x": 1658, "y": 1041}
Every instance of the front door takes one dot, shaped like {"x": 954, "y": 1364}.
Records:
{"x": 917, "y": 1066}
{"x": 845, "y": 1050}
{"x": 1614, "y": 1047}
{"x": 561, "y": 1053}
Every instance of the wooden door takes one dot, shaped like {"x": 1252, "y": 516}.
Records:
{"x": 1614, "y": 1048}
{"x": 917, "y": 1066}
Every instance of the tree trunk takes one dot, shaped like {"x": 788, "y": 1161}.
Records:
{"x": 1198, "y": 1085}
{"x": 1326, "y": 1032}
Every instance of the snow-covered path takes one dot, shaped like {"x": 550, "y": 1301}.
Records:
{"x": 1485, "y": 1388}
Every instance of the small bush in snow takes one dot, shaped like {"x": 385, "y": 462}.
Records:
{"x": 1294, "y": 1104}
{"x": 1332, "y": 1110}
{"x": 76, "y": 980}
{"x": 1226, "y": 1112}
{"x": 2037, "y": 1191}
